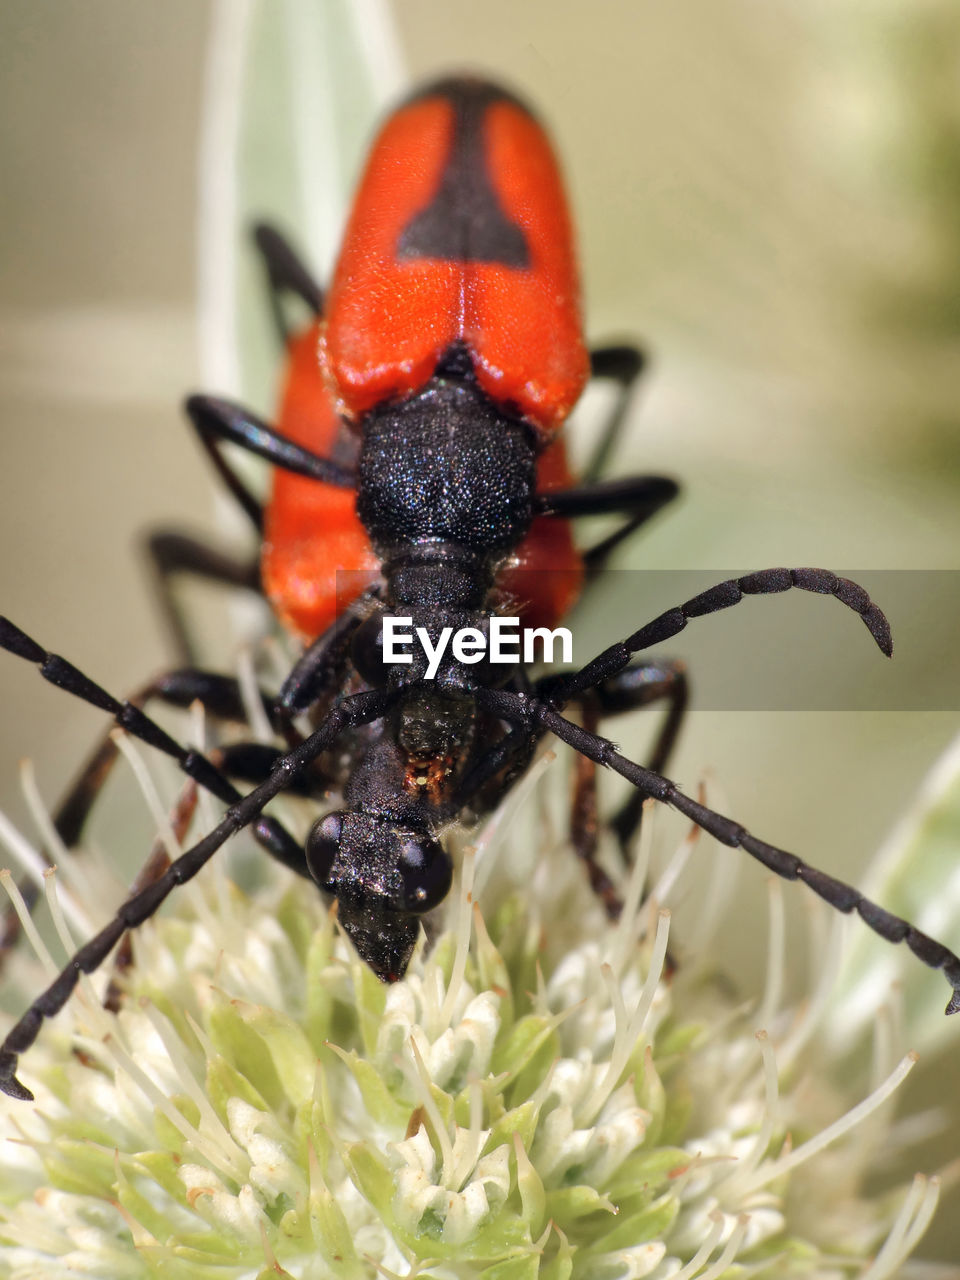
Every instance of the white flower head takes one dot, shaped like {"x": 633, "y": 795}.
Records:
{"x": 541, "y": 1096}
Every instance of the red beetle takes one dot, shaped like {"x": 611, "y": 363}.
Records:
{"x": 452, "y": 352}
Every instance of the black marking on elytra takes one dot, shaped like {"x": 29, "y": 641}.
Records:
{"x": 464, "y": 221}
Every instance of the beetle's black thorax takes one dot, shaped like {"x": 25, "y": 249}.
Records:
{"x": 445, "y": 474}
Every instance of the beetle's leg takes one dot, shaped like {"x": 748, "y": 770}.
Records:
{"x": 216, "y": 423}
{"x": 637, "y": 686}
{"x": 541, "y": 716}
{"x": 204, "y": 421}
{"x": 157, "y": 861}
{"x": 585, "y": 822}
{"x": 505, "y": 761}
{"x": 216, "y": 420}
{"x": 286, "y": 274}
{"x": 316, "y": 673}
{"x": 248, "y": 761}
{"x": 130, "y": 717}
{"x": 639, "y": 498}
{"x": 623, "y": 365}
{"x": 359, "y": 709}
{"x": 171, "y": 554}
{"x": 218, "y": 694}
{"x": 640, "y": 686}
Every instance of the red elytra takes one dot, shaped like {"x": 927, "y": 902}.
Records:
{"x": 394, "y": 308}
{"x": 448, "y": 182}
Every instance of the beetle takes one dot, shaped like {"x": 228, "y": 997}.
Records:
{"x": 310, "y": 537}
{"x": 452, "y": 349}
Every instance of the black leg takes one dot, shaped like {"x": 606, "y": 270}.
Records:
{"x": 130, "y": 717}
{"x": 359, "y": 709}
{"x": 639, "y": 498}
{"x": 219, "y": 420}
{"x": 641, "y": 686}
{"x": 158, "y": 859}
{"x": 637, "y": 686}
{"x": 204, "y": 425}
{"x": 286, "y": 274}
{"x": 623, "y": 365}
{"x": 221, "y": 697}
{"x": 633, "y": 495}
{"x": 316, "y": 673}
{"x": 504, "y": 761}
{"x": 560, "y": 689}
{"x": 171, "y": 554}
{"x": 585, "y": 824}
{"x": 595, "y": 557}
{"x": 255, "y": 761}
{"x": 538, "y": 716}
{"x": 499, "y": 766}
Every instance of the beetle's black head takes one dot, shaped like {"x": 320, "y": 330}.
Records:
{"x": 384, "y": 877}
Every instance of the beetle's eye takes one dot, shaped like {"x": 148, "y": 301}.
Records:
{"x": 323, "y": 843}
{"x": 426, "y": 873}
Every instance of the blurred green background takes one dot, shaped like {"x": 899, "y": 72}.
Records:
{"x": 768, "y": 198}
